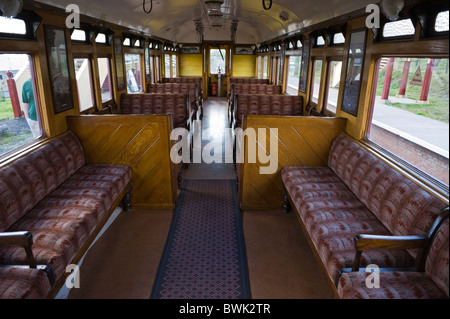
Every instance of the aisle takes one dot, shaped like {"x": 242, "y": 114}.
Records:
{"x": 215, "y": 122}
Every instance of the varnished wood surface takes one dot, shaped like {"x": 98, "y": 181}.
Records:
{"x": 139, "y": 141}
{"x": 302, "y": 141}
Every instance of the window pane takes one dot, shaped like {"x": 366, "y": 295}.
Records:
{"x": 293, "y": 75}
{"x": 84, "y": 83}
{"x": 258, "y": 67}
{"x": 265, "y": 67}
{"x": 442, "y": 22}
{"x": 12, "y": 26}
{"x": 167, "y": 65}
{"x": 105, "y": 79}
{"x": 217, "y": 61}
{"x": 19, "y": 109}
{"x": 152, "y": 70}
{"x": 78, "y": 35}
{"x": 411, "y": 113}
{"x": 158, "y": 69}
{"x": 133, "y": 69}
{"x": 101, "y": 38}
{"x": 398, "y": 28}
{"x": 334, "y": 78}
{"x": 320, "y": 40}
{"x": 174, "y": 66}
{"x": 338, "y": 38}
{"x": 315, "y": 85}
{"x": 126, "y": 42}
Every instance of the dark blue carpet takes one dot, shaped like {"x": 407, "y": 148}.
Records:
{"x": 204, "y": 256}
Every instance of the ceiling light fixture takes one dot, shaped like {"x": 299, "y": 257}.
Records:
{"x": 214, "y": 4}
{"x": 391, "y": 8}
{"x": 10, "y": 8}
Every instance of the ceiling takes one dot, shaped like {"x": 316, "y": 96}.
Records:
{"x": 174, "y": 19}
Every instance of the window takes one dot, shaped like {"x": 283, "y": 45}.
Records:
{"x": 167, "y": 65}
{"x": 398, "y": 28}
{"x": 338, "y": 38}
{"x": 100, "y": 38}
{"x": 78, "y": 35}
{"x": 334, "y": 78}
{"x": 127, "y": 42}
{"x": 217, "y": 61}
{"x": 158, "y": 68}
{"x": 19, "y": 109}
{"x": 316, "y": 77}
{"x": 12, "y": 26}
{"x": 442, "y": 22}
{"x": 174, "y": 66}
{"x": 320, "y": 41}
{"x": 410, "y": 113}
{"x": 104, "y": 72}
{"x": 265, "y": 67}
{"x": 293, "y": 76}
{"x": 134, "y": 73}
{"x": 84, "y": 83}
{"x": 259, "y": 67}
{"x": 152, "y": 70}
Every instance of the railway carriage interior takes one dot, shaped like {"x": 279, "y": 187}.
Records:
{"x": 224, "y": 150}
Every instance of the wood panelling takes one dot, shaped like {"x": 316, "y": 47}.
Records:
{"x": 139, "y": 141}
{"x": 302, "y": 141}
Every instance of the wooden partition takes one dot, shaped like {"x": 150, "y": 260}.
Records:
{"x": 139, "y": 141}
{"x": 302, "y": 141}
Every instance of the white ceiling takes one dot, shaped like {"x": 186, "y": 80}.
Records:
{"x": 174, "y": 19}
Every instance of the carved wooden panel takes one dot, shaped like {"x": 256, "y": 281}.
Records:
{"x": 139, "y": 141}
{"x": 302, "y": 141}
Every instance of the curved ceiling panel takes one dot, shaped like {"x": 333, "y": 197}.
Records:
{"x": 174, "y": 19}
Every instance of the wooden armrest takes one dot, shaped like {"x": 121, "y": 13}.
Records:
{"x": 364, "y": 242}
{"x": 23, "y": 239}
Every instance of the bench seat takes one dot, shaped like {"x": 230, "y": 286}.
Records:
{"x": 58, "y": 198}
{"x": 358, "y": 193}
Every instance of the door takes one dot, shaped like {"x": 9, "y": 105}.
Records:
{"x": 217, "y": 69}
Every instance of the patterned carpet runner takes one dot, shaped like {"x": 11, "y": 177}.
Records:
{"x": 204, "y": 256}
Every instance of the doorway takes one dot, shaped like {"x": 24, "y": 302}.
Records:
{"x": 218, "y": 69}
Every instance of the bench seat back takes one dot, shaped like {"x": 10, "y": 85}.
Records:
{"x": 159, "y": 103}
{"x": 400, "y": 204}
{"x": 27, "y": 180}
{"x": 266, "y": 104}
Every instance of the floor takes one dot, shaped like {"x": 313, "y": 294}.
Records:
{"x": 123, "y": 262}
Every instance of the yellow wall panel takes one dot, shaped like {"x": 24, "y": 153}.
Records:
{"x": 244, "y": 65}
{"x": 191, "y": 64}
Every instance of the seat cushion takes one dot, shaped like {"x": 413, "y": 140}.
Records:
{"x": 392, "y": 285}
{"x": 23, "y": 283}
{"x": 62, "y": 222}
